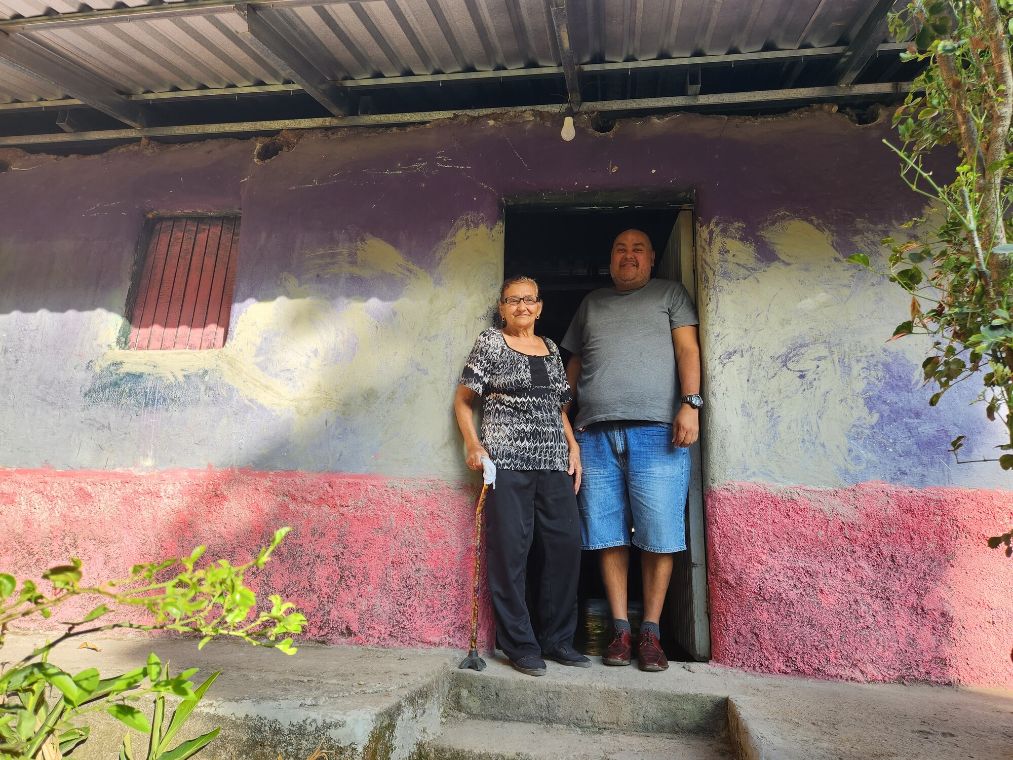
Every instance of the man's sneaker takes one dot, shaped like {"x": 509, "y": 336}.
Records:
{"x": 618, "y": 652}
{"x": 650, "y": 654}
{"x": 529, "y": 664}
{"x": 565, "y": 654}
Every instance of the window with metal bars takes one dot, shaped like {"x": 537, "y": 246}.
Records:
{"x": 183, "y": 298}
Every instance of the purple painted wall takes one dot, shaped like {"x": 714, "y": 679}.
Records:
{"x": 368, "y": 262}
{"x": 363, "y": 218}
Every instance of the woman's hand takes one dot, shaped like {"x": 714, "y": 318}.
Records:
{"x": 473, "y": 457}
{"x": 574, "y": 469}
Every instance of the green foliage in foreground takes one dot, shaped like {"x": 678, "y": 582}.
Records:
{"x": 44, "y": 709}
{"x": 957, "y": 266}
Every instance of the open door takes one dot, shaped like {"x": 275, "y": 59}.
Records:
{"x": 565, "y": 244}
{"x": 686, "y": 605}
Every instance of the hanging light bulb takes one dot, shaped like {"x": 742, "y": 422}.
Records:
{"x": 568, "y": 132}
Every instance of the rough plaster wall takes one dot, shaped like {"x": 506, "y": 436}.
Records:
{"x": 331, "y": 371}
{"x": 368, "y": 262}
{"x": 803, "y": 385}
{"x": 870, "y": 583}
{"x": 313, "y": 381}
{"x": 369, "y": 560}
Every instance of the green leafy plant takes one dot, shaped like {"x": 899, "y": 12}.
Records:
{"x": 957, "y": 265}
{"x": 161, "y": 733}
{"x": 43, "y": 711}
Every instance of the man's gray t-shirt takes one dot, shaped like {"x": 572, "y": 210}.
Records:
{"x": 624, "y": 340}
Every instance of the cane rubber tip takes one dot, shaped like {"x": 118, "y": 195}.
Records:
{"x": 472, "y": 661}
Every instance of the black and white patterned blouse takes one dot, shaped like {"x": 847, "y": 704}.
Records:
{"x": 522, "y": 396}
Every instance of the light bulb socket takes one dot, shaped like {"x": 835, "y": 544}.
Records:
{"x": 568, "y": 132}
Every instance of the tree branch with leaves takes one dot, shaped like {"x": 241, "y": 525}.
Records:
{"x": 42, "y": 706}
{"x": 957, "y": 264}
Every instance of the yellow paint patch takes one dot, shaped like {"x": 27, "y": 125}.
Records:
{"x": 386, "y": 371}
{"x": 369, "y": 258}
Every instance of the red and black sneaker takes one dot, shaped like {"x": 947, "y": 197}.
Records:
{"x": 619, "y": 651}
{"x": 650, "y": 655}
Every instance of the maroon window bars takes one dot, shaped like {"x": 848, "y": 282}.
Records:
{"x": 184, "y": 296}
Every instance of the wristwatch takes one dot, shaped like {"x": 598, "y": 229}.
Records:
{"x": 695, "y": 400}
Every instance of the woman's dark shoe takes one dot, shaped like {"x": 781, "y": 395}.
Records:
{"x": 529, "y": 664}
{"x": 618, "y": 652}
{"x": 650, "y": 655}
{"x": 565, "y": 654}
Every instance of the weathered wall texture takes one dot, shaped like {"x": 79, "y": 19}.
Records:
{"x": 368, "y": 263}
{"x": 370, "y": 560}
{"x": 872, "y": 582}
{"x": 806, "y": 388}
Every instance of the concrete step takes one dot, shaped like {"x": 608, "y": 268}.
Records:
{"x": 380, "y": 704}
{"x": 473, "y": 739}
{"x": 352, "y": 703}
{"x": 587, "y": 703}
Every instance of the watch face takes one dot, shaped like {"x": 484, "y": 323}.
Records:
{"x": 694, "y": 400}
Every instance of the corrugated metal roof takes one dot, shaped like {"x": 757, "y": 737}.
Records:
{"x": 17, "y": 86}
{"x": 184, "y": 53}
{"x": 395, "y": 37}
{"x": 139, "y": 49}
{"x": 33, "y": 8}
{"x": 620, "y": 30}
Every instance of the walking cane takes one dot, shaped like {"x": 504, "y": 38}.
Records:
{"x": 473, "y": 660}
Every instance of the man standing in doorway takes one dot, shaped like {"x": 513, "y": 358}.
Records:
{"x": 636, "y": 372}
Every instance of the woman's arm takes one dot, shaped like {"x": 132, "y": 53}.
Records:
{"x": 574, "y": 468}
{"x": 464, "y": 403}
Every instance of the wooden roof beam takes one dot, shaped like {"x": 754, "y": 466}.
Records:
{"x": 264, "y": 33}
{"x": 571, "y": 71}
{"x": 798, "y": 96}
{"x": 541, "y": 72}
{"x": 29, "y": 56}
{"x": 863, "y": 45}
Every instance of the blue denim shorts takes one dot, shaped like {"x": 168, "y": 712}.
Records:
{"x": 634, "y": 486}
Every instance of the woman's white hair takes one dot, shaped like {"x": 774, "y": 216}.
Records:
{"x": 514, "y": 281}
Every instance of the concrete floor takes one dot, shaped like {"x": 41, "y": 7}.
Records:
{"x": 799, "y": 718}
{"x": 358, "y": 702}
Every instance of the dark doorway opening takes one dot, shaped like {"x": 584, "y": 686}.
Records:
{"x": 567, "y": 250}
{"x": 565, "y": 244}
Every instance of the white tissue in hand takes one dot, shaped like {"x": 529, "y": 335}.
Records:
{"x": 488, "y": 472}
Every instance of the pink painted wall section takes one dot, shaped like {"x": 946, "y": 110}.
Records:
{"x": 370, "y": 560}
{"x": 870, "y": 583}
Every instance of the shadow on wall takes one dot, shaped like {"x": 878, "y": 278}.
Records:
{"x": 327, "y": 375}
{"x": 69, "y": 227}
{"x": 804, "y": 384}
{"x": 370, "y": 561}
{"x": 309, "y": 380}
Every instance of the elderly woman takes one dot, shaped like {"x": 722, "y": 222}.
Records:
{"x": 525, "y": 432}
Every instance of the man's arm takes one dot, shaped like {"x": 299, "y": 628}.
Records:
{"x": 686, "y": 426}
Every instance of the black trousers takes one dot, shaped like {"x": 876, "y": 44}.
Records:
{"x": 533, "y": 508}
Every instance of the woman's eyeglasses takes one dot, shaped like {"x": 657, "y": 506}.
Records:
{"x": 526, "y": 300}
